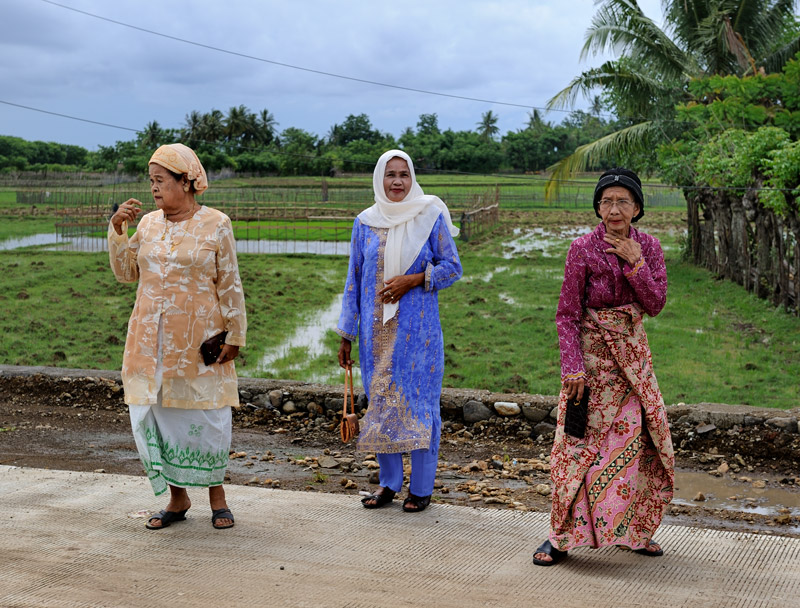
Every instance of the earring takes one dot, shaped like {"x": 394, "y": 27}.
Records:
{"x": 186, "y": 187}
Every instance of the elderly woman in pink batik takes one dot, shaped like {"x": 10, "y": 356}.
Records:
{"x": 611, "y": 486}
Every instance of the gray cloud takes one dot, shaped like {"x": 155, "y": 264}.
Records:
{"x": 519, "y": 51}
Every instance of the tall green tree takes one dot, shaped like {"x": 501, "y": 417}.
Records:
{"x": 192, "y": 132}
{"x": 487, "y": 127}
{"x": 152, "y": 136}
{"x": 647, "y": 81}
{"x": 535, "y": 121}
{"x": 353, "y": 128}
{"x": 213, "y": 126}
{"x": 241, "y": 127}
{"x": 267, "y": 126}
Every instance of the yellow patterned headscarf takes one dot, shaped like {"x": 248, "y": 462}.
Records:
{"x": 182, "y": 159}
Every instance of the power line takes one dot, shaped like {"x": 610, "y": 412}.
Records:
{"x": 297, "y": 67}
{"x": 94, "y": 122}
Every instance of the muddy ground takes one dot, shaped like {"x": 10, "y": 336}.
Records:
{"x": 749, "y": 478}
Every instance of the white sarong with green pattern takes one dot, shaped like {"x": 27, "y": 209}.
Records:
{"x": 183, "y": 448}
{"x": 180, "y": 447}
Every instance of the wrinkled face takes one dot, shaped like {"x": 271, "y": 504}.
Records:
{"x": 617, "y": 208}
{"x": 167, "y": 191}
{"x": 397, "y": 179}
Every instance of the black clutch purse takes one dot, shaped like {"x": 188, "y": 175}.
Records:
{"x": 577, "y": 414}
{"x": 211, "y": 348}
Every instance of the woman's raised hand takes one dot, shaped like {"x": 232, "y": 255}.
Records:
{"x": 626, "y": 248}
{"x": 127, "y": 212}
{"x": 396, "y": 287}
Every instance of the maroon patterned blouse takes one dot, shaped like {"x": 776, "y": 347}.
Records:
{"x": 595, "y": 279}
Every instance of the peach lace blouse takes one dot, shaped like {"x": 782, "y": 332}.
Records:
{"x": 189, "y": 277}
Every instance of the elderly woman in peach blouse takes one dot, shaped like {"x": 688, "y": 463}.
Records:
{"x": 184, "y": 257}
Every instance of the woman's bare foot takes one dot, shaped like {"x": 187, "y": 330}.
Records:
{"x": 651, "y": 549}
{"x": 216, "y": 496}
{"x": 380, "y": 497}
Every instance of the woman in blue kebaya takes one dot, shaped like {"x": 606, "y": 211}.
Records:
{"x": 402, "y": 253}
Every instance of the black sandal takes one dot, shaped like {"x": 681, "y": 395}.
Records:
{"x": 419, "y": 502}
{"x": 548, "y": 549}
{"x": 224, "y": 513}
{"x": 382, "y": 498}
{"x": 657, "y": 553}
{"x": 167, "y": 518}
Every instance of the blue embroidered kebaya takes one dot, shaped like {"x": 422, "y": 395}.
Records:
{"x": 402, "y": 361}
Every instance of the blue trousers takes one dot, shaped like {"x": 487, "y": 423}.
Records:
{"x": 423, "y": 466}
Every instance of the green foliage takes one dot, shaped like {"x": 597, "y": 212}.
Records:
{"x": 733, "y": 157}
{"x": 724, "y": 102}
{"x": 531, "y": 150}
{"x": 739, "y": 132}
{"x": 17, "y": 153}
{"x": 699, "y": 38}
{"x": 782, "y": 166}
{"x": 353, "y": 129}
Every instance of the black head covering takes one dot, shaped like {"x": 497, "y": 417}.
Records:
{"x": 620, "y": 177}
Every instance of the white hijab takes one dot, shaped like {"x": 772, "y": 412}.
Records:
{"x": 409, "y": 222}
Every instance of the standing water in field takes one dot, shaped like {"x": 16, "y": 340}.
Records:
{"x": 298, "y": 351}
{"x": 548, "y": 243}
{"x": 89, "y": 244}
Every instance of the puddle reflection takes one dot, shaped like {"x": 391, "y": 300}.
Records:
{"x": 734, "y": 494}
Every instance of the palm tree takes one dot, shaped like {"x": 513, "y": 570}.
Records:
{"x": 487, "y": 127}
{"x": 213, "y": 127}
{"x": 152, "y": 135}
{"x": 192, "y": 132}
{"x": 266, "y": 127}
{"x": 597, "y": 106}
{"x": 236, "y": 124}
{"x": 535, "y": 121}
{"x": 700, "y": 38}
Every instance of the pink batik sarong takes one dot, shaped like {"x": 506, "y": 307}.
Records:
{"x": 612, "y": 486}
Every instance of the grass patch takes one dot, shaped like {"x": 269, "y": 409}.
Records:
{"x": 15, "y": 227}
{"x": 67, "y": 309}
{"x": 713, "y": 341}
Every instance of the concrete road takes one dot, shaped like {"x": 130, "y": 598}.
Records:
{"x": 72, "y": 539}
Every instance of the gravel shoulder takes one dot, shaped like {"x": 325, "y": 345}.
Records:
{"x": 79, "y": 422}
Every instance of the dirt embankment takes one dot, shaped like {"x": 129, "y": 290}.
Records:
{"x": 76, "y": 419}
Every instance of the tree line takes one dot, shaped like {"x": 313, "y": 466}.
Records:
{"x": 250, "y": 142}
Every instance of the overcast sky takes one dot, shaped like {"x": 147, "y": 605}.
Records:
{"x": 54, "y": 59}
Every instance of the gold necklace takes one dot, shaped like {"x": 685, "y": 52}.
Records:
{"x": 172, "y": 242}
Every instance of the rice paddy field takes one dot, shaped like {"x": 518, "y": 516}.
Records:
{"x": 713, "y": 342}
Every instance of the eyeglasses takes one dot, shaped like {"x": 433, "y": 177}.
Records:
{"x": 607, "y": 203}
